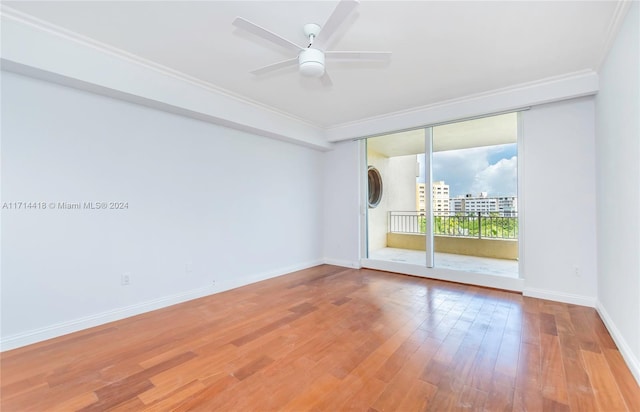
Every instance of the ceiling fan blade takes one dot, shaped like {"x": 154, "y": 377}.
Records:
{"x": 358, "y": 55}
{"x": 275, "y": 66}
{"x": 326, "y": 80}
{"x": 339, "y": 15}
{"x": 265, "y": 34}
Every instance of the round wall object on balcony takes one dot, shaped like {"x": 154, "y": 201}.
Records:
{"x": 375, "y": 187}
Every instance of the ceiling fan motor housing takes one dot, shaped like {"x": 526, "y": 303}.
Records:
{"x": 311, "y": 62}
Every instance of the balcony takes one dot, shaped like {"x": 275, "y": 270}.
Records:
{"x": 485, "y": 242}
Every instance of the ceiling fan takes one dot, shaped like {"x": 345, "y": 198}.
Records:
{"x": 311, "y": 57}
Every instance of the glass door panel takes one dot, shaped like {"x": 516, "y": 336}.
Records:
{"x": 396, "y": 227}
{"x": 475, "y": 195}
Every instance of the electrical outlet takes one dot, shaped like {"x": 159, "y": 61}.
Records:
{"x": 125, "y": 280}
{"x": 213, "y": 283}
{"x": 189, "y": 267}
{"x": 576, "y": 271}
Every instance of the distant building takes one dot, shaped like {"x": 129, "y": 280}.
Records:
{"x": 507, "y": 205}
{"x": 442, "y": 204}
{"x": 421, "y": 198}
{"x": 439, "y": 196}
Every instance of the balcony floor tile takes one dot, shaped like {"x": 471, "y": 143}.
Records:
{"x": 475, "y": 264}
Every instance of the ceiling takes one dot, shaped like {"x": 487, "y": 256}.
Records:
{"x": 486, "y": 131}
{"x": 441, "y": 50}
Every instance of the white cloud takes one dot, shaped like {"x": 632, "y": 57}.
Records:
{"x": 471, "y": 170}
{"x": 500, "y": 179}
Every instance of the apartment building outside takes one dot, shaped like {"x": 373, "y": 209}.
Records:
{"x": 507, "y": 205}
{"x": 440, "y": 197}
{"x": 421, "y": 199}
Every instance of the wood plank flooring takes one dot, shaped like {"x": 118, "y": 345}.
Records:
{"x": 332, "y": 339}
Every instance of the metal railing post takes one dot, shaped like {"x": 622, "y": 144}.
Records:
{"x": 479, "y": 225}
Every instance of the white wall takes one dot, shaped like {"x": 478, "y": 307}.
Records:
{"x": 558, "y": 199}
{"x": 398, "y": 193}
{"x": 618, "y": 189}
{"x": 342, "y": 204}
{"x": 33, "y": 48}
{"x": 233, "y": 206}
{"x": 378, "y": 217}
{"x": 401, "y": 186}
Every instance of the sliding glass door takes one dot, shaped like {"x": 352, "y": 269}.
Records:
{"x": 445, "y": 197}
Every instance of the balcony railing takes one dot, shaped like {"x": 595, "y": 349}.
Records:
{"x": 481, "y": 225}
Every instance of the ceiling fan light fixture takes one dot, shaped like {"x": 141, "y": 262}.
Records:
{"x": 311, "y": 56}
{"x": 311, "y": 62}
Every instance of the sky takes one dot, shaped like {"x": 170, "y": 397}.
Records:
{"x": 491, "y": 169}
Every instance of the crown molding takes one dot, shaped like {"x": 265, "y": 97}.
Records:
{"x": 10, "y": 13}
{"x": 190, "y": 96}
{"x": 24, "y": 36}
{"x": 620, "y": 12}
{"x": 512, "y": 98}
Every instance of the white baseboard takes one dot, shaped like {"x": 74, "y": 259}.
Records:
{"x": 627, "y": 354}
{"x": 560, "y": 297}
{"x": 85, "y": 322}
{"x": 258, "y": 277}
{"x": 344, "y": 263}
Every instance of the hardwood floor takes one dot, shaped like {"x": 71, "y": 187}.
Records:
{"x": 330, "y": 338}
